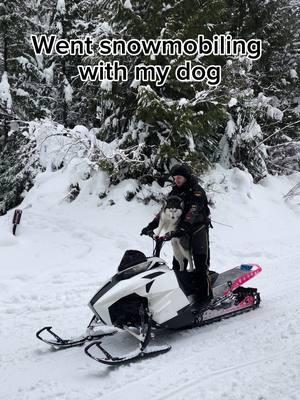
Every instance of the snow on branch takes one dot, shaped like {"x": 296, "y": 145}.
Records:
{"x": 295, "y": 191}
{"x": 59, "y": 146}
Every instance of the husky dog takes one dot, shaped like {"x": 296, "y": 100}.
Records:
{"x": 169, "y": 218}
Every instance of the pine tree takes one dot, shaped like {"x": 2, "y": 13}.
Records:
{"x": 19, "y": 100}
{"x": 18, "y": 20}
{"x": 178, "y": 121}
{"x": 18, "y": 168}
{"x": 67, "y": 19}
{"x": 262, "y": 88}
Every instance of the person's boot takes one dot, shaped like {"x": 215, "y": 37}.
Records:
{"x": 199, "y": 303}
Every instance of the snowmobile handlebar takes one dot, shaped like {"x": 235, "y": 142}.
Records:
{"x": 159, "y": 242}
{"x": 168, "y": 236}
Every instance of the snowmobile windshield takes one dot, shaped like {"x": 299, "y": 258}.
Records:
{"x": 134, "y": 270}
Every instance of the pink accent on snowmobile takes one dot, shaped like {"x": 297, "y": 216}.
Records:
{"x": 246, "y": 303}
{"x": 246, "y": 277}
{"x": 249, "y": 300}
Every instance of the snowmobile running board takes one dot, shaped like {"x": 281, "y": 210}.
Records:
{"x": 60, "y": 343}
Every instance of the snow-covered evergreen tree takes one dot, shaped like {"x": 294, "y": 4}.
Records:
{"x": 18, "y": 168}
{"x": 17, "y": 22}
{"x": 19, "y": 97}
{"x": 263, "y": 92}
{"x": 178, "y": 121}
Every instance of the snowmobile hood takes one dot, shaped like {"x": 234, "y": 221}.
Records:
{"x": 152, "y": 263}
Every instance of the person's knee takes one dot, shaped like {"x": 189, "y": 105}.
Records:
{"x": 200, "y": 245}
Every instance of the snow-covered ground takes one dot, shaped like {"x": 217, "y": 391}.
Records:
{"x": 64, "y": 251}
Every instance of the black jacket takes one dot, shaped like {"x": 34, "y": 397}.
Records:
{"x": 196, "y": 211}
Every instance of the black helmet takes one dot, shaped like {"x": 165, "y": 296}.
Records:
{"x": 182, "y": 170}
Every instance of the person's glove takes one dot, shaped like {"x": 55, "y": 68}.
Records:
{"x": 147, "y": 231}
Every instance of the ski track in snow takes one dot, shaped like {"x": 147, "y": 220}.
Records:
{"x": 63, "y": 253}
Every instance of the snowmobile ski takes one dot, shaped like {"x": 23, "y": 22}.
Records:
{"x": 143, "y": 351}
{"x": 60, "y": 343}
{"x": 134, "y": 356}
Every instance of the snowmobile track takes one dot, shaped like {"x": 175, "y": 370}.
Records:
{"x": 192, "y": 384}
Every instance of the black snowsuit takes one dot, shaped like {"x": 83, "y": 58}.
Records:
{"x": 195, "y": 222}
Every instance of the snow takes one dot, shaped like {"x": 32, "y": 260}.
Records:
{"x": 68, "y": 91}
{"x": 61, "y": 6}
{"x": 135, "y": 83}
{"x": 106, "y": 85}
{"x": 230, "y": 128}
{"x": 183, "y": 102}
{"x": 296, "y": 110}
{"x": 233, "y": 102}
{"x": 5, "y": 96}
{"x": 192, "y": 145}
{"x": 22, "y": 93}
{"x": 128, "y": 5}
{"x": 48, "y": 73}
{"x": 63, "y": 252}
{"x": 104, "y": 28}
{"x": 40, "y": 60}
{"x": 293, "y": 74}
{"x": 274, "y": 113}
{"x": 252, "y": 131}
{"x": 23, "y": 61}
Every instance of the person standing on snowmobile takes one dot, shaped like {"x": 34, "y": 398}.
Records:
{"x": 194, "y": 225}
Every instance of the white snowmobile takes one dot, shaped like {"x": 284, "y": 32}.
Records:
{"x": 145, "y": 296}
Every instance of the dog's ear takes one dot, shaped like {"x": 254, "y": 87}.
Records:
{"x": 182, "y": 205}
{"x": 164, "y": 203}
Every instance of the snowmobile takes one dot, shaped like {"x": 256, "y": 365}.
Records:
{"x": 145, "y": 297}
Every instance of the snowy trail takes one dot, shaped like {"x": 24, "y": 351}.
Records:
{"x": 63, "y": 252}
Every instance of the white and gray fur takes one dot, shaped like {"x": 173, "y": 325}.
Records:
{"x": 170, "y": 215}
